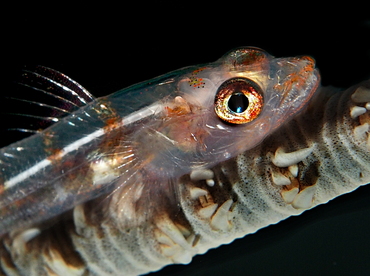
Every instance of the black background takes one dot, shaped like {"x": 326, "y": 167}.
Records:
{"x": 106, "y": 48}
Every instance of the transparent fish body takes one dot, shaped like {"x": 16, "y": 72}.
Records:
{"x": 143, "y": 195}
{"x": 153, "y": 132}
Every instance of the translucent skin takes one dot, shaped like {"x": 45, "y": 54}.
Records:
{"x": 158, "y": 130}
{"x": 185, "y": 130}
{"x": 150, "y": 133}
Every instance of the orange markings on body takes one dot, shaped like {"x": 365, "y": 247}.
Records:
{"x": 55, "y": 154}
{"x": 299, "y": 78}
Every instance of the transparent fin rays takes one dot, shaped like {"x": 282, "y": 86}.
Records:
{"x": 41, "y": 97}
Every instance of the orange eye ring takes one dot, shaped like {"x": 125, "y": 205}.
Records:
{"x": 238, "y": 101}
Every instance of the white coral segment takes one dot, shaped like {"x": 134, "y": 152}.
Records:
{"x": 173, "y": 243}
{"x": 289, "y": 195}
{"x": 280, "y": 179}
{"x": 28, "y": 235}
{"x": 360, "y": 131}
{"x": 210, "y": 182}
{"x": 220, "y": 220}
{"x": 59, "y": 266}
{"x": 197, "y": 192}
{"x": 293, "y": 169}
{"x": 203, "y": 174}
{"x": 361, "y": 95}
{"x": 208, "y": 211}
{"x": 79, "y": 219}
{"x": 283, "y": 159}
{"x": 197, "y": 175}
{"x": 304, "y": 199}
{"x": 20, "y": 239}
{"x": 174, "y": 233}
{"x": 357, "y": 111}
{"x": 174, "y": 251}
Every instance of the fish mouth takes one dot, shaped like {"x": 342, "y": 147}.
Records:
{"x": 297, "y": 73}
{"x": 293, "y": 82}
{"x": 308, "y": 65}
{"x": 308, "y": 77}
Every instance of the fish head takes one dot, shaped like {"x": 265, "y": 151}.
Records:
{"x": 243, "y": 97}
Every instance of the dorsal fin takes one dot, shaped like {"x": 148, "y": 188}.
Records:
{"x": 42, "y": 97}
{"x": 54, "y": 83}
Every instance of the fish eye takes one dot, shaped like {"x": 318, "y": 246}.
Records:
{"x": 238, "y": 101}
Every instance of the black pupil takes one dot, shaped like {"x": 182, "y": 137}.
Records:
{"x": 238, "y": 103}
